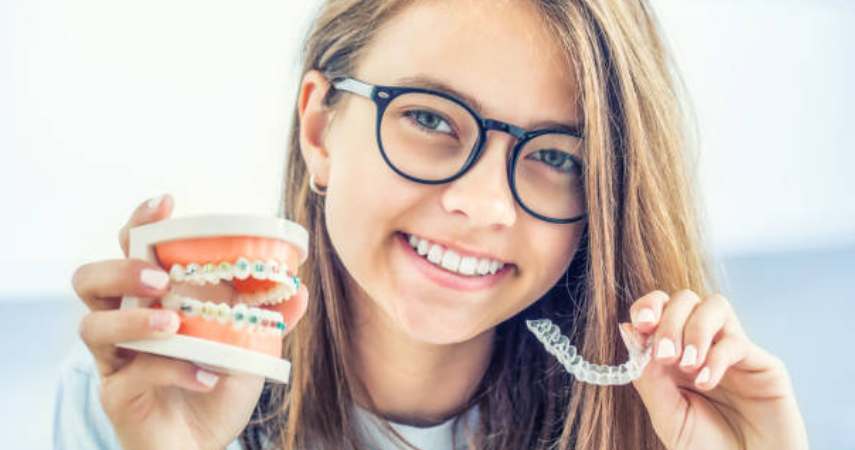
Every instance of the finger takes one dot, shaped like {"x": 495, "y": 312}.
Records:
{"x": 702, "y": 327}
{"x": 731, "y": 349}
{"x": 669, "y": 333}
{"x": 152, "y": 210}
{"x": 646, "y": 311}
{"x": 100, "y": 284}
{"x": 662, "y": 398}
{"x": 130, "y": 390}
{"x": 102, "y": 330}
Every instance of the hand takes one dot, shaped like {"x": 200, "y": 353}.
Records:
{"x": 154, "y": 402}
{"x": 707, "y": 386}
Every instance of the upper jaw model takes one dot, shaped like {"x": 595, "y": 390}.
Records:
{"x": 234, "y": 285}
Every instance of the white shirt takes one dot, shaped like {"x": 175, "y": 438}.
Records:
{"x": 80, "y": 422}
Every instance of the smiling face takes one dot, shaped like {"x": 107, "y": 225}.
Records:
{"x": 499, "y": 55}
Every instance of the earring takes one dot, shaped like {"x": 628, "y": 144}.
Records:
{"x": 315, "y": 188}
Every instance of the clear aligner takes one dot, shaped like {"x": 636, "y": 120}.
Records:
{"x": 559, "y": 346}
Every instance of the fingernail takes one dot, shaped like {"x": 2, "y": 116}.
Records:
{"x": 666, "y": 349}
{"x": 152, "y": 204}
{"x": 155, "y": 279}
{"x": 646, "y": 316}
{"x": 690, "y": 356}
{"x": 163, "y": 320}
{"x": 207, "y": 378}
{"x": 704, "y": 376}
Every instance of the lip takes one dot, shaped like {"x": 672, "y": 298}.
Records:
{"x": 447, "y": 279}
{"x": 460, "y": 250}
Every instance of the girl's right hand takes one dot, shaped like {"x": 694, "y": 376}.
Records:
{"x": 154, "y": 402}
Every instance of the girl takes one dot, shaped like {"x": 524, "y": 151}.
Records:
{"x": 463, "y": 166}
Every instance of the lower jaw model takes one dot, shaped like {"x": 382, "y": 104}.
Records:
{"x": 238, "y": 291}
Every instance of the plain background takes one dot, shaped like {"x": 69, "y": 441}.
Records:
{"x": 106, "y": 103}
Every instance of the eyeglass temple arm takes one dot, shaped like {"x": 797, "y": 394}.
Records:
{"x": 354, "y": 86}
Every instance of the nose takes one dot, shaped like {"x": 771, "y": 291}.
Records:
{"x": 482, "y": 194}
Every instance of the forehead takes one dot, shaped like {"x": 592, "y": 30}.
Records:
{"x": 496, "y": 52}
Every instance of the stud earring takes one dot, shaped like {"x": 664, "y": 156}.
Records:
{"x": 315, "y": 188}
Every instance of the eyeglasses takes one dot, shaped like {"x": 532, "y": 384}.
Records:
{"x": 432, "y": 137}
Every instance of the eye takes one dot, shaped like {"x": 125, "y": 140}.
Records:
{"x": 430, "y": 121}
{"x": 556, "y": 159}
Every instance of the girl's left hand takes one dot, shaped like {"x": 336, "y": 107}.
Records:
{"x": 707, "y": 386}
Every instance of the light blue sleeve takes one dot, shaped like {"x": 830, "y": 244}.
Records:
{"x": 79, "y": 422}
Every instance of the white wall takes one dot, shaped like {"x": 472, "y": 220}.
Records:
{"x": 106, "y": 103}
{"x": 772, "y": 86}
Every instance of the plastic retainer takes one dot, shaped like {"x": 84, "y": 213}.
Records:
{"x": 559, "y": 346}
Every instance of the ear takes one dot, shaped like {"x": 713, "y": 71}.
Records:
{"x": 314, "y": 118}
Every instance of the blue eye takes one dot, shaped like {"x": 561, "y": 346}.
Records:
{"x": 429, "y": 121}
{"x": 556, "y": 159}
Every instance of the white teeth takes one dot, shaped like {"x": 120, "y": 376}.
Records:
{"x": 254, "y": 316}
{"x": 494, "y": 266}
{"x": 467, "y": 265}
{"x": 222, "y": 312}
{"x": 171, "y": 300}
{"x": 450, "y": 260}
{"x": 208, "y": 310}
{"x": 422, "y": 248}
{"x": 435, "y": 254}
{"x": 483, "y": 266}
{"x": 242, "y": 269}
{"x": 226, "y": 271}
{"x": 176, "y": 272}
{"x": 193, "y": 274}
{"x": 190, "y": 307}
{"x": 259, "y": 271}
{"x": 239, "y": 315}
{"x": 275, "y": 272}
{"x": 210, "y": 274}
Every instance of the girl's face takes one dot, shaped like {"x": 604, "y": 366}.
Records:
{"x": 498, "y": 54}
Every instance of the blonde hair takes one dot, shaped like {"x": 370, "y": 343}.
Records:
{"x": 642, "y": 234}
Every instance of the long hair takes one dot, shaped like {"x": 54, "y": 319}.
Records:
{"x": 643, "y": 233}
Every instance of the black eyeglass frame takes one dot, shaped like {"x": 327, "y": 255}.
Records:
{"x": 384, "y": 95}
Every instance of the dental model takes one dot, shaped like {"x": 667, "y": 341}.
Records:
{"x": 233, "y": 284}
{"x": 559, "y": 346}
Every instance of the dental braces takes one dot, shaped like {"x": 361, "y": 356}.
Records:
{"x": 559, "y": 346}
{"x": 242, "y": 269}
{"x": 239, "y": 315}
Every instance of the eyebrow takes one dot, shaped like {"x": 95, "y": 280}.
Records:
{"x": 428, "y": 82}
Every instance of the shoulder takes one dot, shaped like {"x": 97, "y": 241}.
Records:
{"x": 79, "y": 422}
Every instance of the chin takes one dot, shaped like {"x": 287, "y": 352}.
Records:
{"x": 425, "y": 322}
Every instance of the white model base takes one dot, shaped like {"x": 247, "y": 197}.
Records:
{"x": 216, "y": 356}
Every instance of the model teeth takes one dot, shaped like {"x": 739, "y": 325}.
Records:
{"x": 242, "y": 269}
{"x": 239, "y": 315}
{"x": 212, "y": 273}
{"x": 452, "y": 261}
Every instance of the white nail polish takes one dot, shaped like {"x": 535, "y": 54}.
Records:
{"x": 690, "y": 356}
{"x": 207, "y": 378}
{"x": 666, "y": 349}
{"x": 646, "y": 316}
{"x": 155, "y": 279}
{"x": 704, "y": 376}
{"x": 152, "y": 204}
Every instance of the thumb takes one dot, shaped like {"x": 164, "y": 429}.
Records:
{"x": 661, "y": 397}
